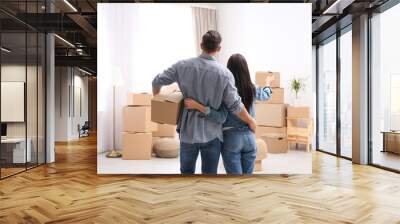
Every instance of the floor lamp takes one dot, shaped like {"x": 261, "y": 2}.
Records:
{"x": 113, "y": 153}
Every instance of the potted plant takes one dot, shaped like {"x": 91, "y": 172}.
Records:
{"x": 297, "y": 85}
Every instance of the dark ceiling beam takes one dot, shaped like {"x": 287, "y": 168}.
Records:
{"x": 338, "y": 6}
{"x": 320, "y": 22}
{"x": 81, "y": 61}
{"x": 49, "y": 22}
{"x": 91, "y": 5}
{"x": 84, "y": 24}
{"x": 332, "y": 29}
{"x": 16, "y": 18}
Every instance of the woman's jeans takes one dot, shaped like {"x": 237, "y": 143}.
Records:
{"x": 239, "y": 151}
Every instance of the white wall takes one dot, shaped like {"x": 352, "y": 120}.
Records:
{"x": 33, "y": 127}
{"x": 138, "y": 41}
{"x": 68, "y": 81}
{"x": 272, "y": 37}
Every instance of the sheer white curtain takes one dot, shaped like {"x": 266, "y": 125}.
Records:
{"x": 205, "y": 19}
{"x": 136, "y": 42}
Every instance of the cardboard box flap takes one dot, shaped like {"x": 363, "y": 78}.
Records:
{"x": 275, "y": 135}
{"x": 174, "y": 97}
{"x": 174, "y": 87}
{"x": 139, "y": 99}
{"x": 159, "y": 97}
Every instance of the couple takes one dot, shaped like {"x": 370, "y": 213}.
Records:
{"x": 218, "y": 113}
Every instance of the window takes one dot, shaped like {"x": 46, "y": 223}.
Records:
{"x": 346, "y": 94}
{"x": 327, "y": 97}
{"x": 385, "y": 89}
{"x": 394, "y": 102}
{"x": 335, "y": 74}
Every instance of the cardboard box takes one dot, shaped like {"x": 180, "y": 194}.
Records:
{"x": 277, "y": 97}
{"x": 276, "y": 143}
{"x": 392, "y": 142}
{"x": 261, "y": 76}
{"x": 262, "y": 130}
{"x": 298, "y": 112}
{"x": 136, "y": 146}
{"x": 273, "y": 115}
{"x": 137, "y": 119}
{"x": 166, "y": 109}
{"x": 261, "y": 149}
{"x": 258, "y": 165}
{"x": 139, "y": 99}
{"x": 165, "y": 130}
{"x": 170, "y": 88}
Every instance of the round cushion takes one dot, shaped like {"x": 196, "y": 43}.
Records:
{"x": 152, "y": 145}
{"x": 166, "y": 147}
{"x": 261, "y": 149}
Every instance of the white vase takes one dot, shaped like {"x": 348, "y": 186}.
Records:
{"x": 296, "y": 102}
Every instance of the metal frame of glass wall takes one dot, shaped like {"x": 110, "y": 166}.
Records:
{"x": 33, "y": 45}
{"x": 335, "y": 37}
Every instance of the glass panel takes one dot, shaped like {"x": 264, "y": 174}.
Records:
{"x": 385, "y": 86}
{"x": 23, "y": 89}
{"x": 41, "y": 98}
{"x": 13, "y": 90}
{"x": 32, "y": 87}
{"x": 327, "y": 97}
{"x": 346, "y": 94}
{"x": 31, "y": 100}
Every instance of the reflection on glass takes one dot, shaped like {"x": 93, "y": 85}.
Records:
{"x": 22, "y": 90}
{"x": 346, "y": 94}
{"x": 386, "y": 89}
{"x": 31, "y": 100}
{"x": 327, "y": 97}
{"x": 41, "y": 98}
{"x": 14, "y": 153}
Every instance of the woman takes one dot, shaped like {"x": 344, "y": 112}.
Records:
{"x": 239, "y": 147}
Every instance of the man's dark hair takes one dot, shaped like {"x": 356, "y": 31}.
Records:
{"x": 211, "y": 41}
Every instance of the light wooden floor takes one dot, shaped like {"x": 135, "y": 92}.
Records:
{"x": 70, "y": 191}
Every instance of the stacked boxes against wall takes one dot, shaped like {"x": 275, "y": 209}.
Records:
{"x": 166, "y": 109}
{"x": 137, "y": 127}
{"x": 271, "y": 115}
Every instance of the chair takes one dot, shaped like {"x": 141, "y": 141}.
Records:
{"x": 84, "y": 130}
{"x": 299, "y": 130}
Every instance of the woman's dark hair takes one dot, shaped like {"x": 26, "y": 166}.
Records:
{"x": 237, "y": 64}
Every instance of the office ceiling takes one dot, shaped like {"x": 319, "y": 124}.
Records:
{"x": 76, "y": 21}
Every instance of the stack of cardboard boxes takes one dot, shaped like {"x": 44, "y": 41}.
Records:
{"x": 271, "y": 115}
{"x": 137, "y": 127}
{"x": 166, "y": 109}
{"x": 146, "y": 117}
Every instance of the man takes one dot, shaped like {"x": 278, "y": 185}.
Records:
{"x": 210, "y": 83}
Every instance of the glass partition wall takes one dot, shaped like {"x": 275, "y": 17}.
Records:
{"x": 22, "y": 77}
{"x": 327, "y": 95}
{"x": 385, "y": 89}
{"x": 334, "y": 107}
{"x": 346, "y": 95}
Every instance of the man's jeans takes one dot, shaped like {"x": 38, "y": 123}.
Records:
{"x": 239, "y": 151}
{"x": 209, "y": 151}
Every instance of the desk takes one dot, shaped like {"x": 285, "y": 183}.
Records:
{"x": 391, "y": 141}
{"x": 16, "y": 148}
